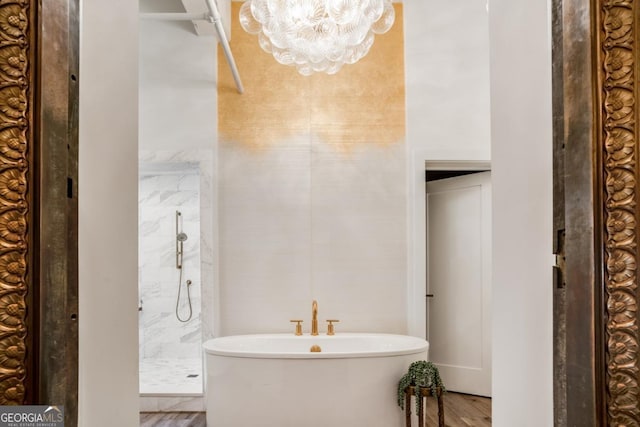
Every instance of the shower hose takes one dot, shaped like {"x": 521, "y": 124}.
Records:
{"x": 188, "y": 298}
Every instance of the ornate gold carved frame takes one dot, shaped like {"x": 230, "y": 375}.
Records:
{"x": 18, "y": 296}
{"x": 617, "y": 39}
{"x": 38, "y": 203}
{"x": 596, "y": 143}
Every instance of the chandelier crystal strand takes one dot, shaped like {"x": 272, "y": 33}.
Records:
{"x": 316, "y": 35}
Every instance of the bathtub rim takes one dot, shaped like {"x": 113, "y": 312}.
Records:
{"x": 420, "y": 345}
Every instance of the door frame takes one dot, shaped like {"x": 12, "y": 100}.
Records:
{"x": 420, "y": 162}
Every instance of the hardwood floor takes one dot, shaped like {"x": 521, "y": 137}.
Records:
{"x": 460, "y": 410}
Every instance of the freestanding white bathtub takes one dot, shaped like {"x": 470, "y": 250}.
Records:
{"x": 274, "y": 380}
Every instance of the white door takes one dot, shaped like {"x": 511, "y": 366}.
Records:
{"x": 459, "y": 281}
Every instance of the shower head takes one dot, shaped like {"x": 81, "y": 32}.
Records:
{"x": 181, "y": 237}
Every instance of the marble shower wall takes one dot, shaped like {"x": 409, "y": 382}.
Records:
{"x": 170, "y": 182}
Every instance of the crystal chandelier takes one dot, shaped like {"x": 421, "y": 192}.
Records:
{"x": 316, "y": 35}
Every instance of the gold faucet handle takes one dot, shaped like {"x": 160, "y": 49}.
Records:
{"x": 330, "y": 330}
{"x": 298, "y": 326}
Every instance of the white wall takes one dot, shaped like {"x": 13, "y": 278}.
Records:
{"x": 301, "y": 220}
{"x": 178, "y": 87}
{"x": 108, "y": 210}
{"x": 447, "y": 79}
{"x": 522, "y": 213}
{"x": 448, "y": 112}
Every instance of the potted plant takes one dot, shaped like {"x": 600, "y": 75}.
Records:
{"x": 421, "y": 374}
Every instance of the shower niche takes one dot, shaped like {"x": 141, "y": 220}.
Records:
{"x": 170, "y": 279}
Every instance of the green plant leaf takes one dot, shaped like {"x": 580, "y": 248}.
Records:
{"x": 421, "y": 374}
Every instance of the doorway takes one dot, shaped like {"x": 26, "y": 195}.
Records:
{"x": 458, "y": 297}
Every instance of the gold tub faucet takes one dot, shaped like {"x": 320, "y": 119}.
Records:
{"x": 298, "y": 326}
{"x": 330, "y": 328}
{"x": 314, "y": 317}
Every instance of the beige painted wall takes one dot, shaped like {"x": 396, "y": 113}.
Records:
{"x": 521, "y": 122}
{"x": 108, "y": 211}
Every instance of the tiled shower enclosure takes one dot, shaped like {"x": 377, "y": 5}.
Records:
{"x": 170, "y": 349}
